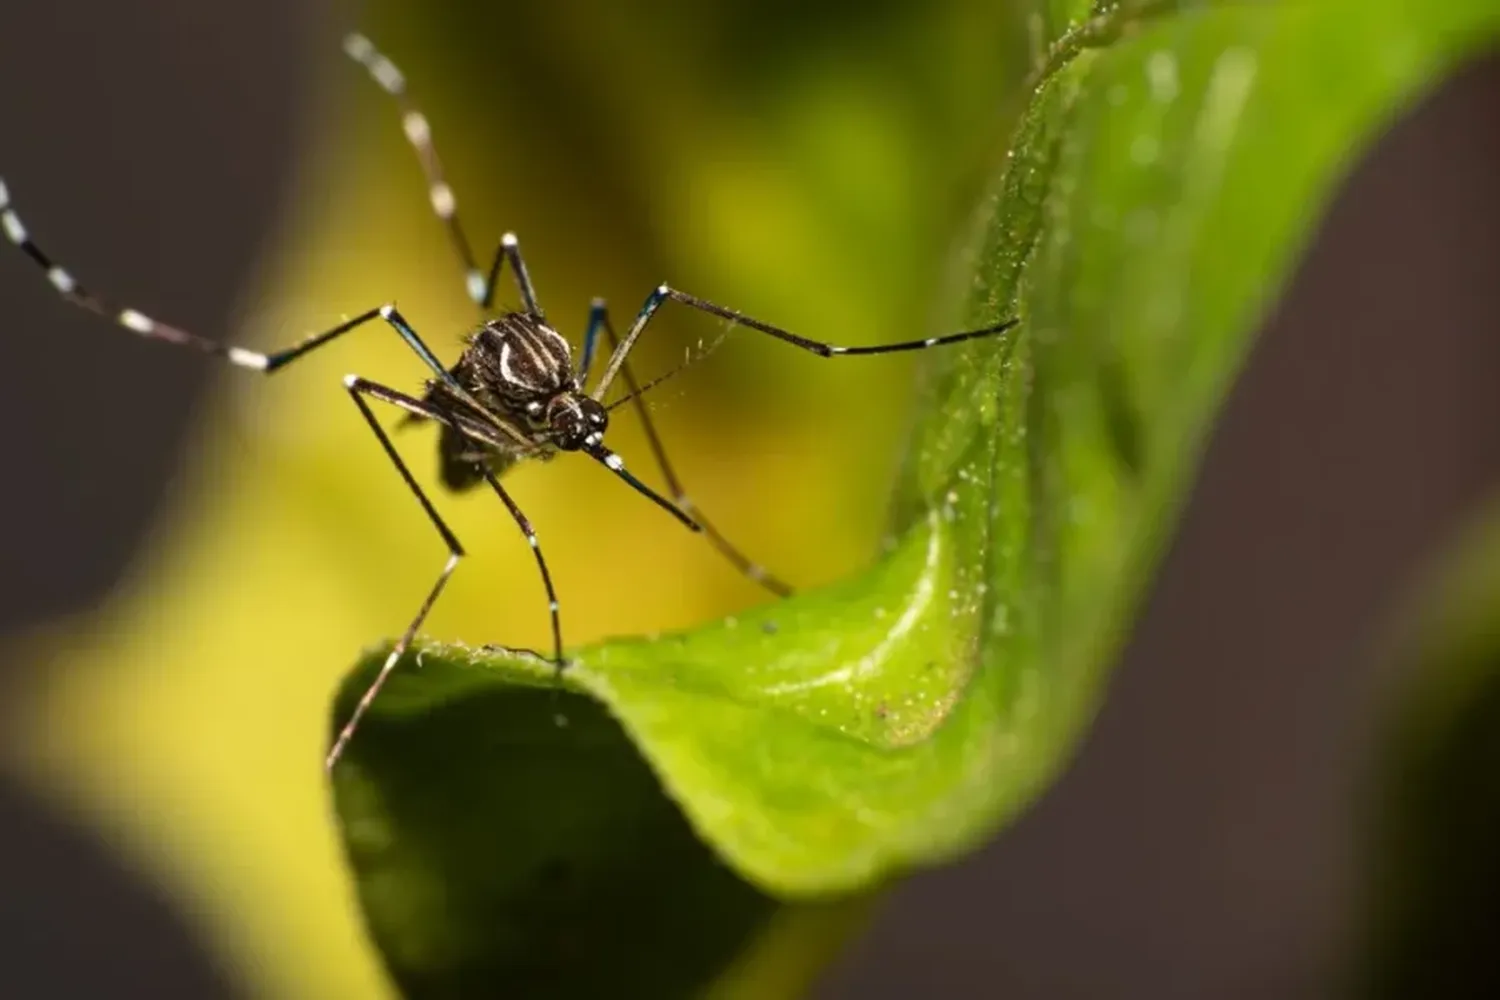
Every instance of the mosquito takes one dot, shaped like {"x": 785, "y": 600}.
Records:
{"x": 515, "y": 393}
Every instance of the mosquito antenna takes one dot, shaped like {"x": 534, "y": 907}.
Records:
{"x": 686, "y": 363}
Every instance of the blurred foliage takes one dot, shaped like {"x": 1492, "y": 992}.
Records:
{"x": 1434, "y": 890}
{"x": 807, "y": 165}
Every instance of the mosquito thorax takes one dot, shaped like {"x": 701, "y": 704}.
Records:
{"x": 576, "y": 421}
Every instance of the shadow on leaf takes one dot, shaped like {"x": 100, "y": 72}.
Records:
{"x": 550, "y": 860}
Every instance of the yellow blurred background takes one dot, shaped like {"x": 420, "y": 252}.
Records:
{"x": 810, "y": 167}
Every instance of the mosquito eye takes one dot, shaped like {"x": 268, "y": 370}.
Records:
{"x": 595, "y": 417}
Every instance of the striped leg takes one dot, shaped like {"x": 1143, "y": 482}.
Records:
{"x": 599, "y": 320}
{"x": 136, "y": 322}
{"x": 663, "y": 293}
{"x": 145, "y": 326}
{"x": 524, "y": 523}
{"x": 480, "y": 284}
{"x": 358, "y": 389}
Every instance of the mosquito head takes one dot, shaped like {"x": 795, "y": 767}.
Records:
{"x": 575, "y": 420}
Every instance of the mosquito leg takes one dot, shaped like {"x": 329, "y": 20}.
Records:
{"x": 615, "y": 464}
{"x": 663, "y": 293}
{"x": 136, "y": 322}
{"x": 419, "y": 134}
{"x": 358, "y": 388}
{"x": 480, "y": 284}
{"x": 509, "y": 249}
{"x": 599, "y": 320}
{"x": 152, "y": 329}
{"x": 387, "y": 312}
{"x": 524, "y": 523}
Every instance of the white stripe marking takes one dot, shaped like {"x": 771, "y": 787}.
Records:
{"x": 248, "y": 359}
{"x": 560, "y": 342}
{"x": 386, "y": 74}
{"x": 505, "y": 367}
{"x": 139, "y": 322}
{"x": 61, "y": 280}
{"x": 614, "y": 461}
{"x": 505, "y": 371}
{"x": 14, "y": 231}
{"x": 533, "y": 351}
{"x": 476, "y": 286}
{"x": 416, "y": 128}
{"x": 442, "y": 200}
{"x": 4, "y": 195}
{"x": 358, "y": 47}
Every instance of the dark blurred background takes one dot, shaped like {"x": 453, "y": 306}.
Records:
{"x": 1204, "y": 842}
{"x": 95, "y": 425}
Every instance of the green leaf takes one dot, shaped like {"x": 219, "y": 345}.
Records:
{"x": 1166, "y": 172}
